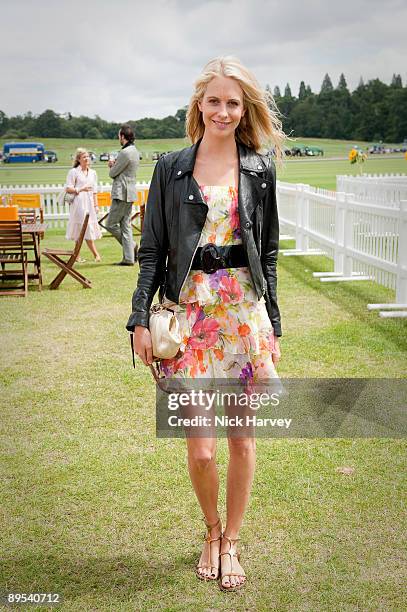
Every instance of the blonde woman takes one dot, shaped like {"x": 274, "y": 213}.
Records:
{"x": 82, "y": 182}
{"x": 210, "y": 240}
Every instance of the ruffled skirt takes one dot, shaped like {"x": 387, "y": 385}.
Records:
{"x": 223, "y": 341}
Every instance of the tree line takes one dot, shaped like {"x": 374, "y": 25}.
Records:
{"x": 373, "y": 111}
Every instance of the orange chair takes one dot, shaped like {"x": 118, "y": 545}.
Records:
{"x": 29, "y": 205}
{"x": 8, "y": 213}
{"x": 12, "y": 254}
{"x": 104, "y": 199}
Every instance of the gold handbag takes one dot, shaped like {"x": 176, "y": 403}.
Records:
{"x": 165, "y": 331}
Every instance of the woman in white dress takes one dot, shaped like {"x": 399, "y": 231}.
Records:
{"x": 82, "y": 181}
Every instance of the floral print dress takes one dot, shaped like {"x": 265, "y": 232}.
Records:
{"x": 226, "y": 331}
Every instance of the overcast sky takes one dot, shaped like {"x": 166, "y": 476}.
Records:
{"x": 127, "y": 59}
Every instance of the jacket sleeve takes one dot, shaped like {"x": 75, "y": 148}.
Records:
{"x": 152, "y": 253}
{"x": 270, "y": 239}
{"x": 119, "y": 165}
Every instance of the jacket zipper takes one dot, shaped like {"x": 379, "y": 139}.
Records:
{"x": 196, "y": 247}
{"x": 189, "y": 269}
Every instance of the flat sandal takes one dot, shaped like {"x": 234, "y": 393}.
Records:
{"x": 233, "y": 553}
{"x": 207, "y": 564}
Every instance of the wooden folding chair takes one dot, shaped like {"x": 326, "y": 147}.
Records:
{"x": 54, "y": 255}
{"x": 29, "y": 206}
{"x": 32, "y": 247}
{"x": 140, "y": 202}
{"x": 12, "y": 254}
{"x": 104, "y": 199}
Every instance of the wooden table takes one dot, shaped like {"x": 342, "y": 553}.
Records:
{"x": 36, "y": 231}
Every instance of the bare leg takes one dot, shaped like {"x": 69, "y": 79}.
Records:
{"x": 242, "y": 461}
{"x": 205, "y": 480}
{"x": 92, "y": 249}
{"x": 78, "y": 257}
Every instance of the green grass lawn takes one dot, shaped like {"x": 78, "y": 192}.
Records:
{"x": 96, "y": 508}
{"x": 320, "y": 172}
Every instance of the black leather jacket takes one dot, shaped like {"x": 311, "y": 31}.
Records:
{"x": 175, "y": 216}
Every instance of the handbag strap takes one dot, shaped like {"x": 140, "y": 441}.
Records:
{"x": 157, "y": 379}
{"x": 132, "y": 349}
{"x": 162, "y": 288}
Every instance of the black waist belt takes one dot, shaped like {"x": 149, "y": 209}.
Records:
{"x": 211, "y": 257}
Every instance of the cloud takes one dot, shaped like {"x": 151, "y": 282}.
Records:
{"x": 130, "y": 59}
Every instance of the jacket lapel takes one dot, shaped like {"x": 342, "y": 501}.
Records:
{"x": 252, "y": 188}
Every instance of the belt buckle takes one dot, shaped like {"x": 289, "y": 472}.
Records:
{"x": 211, "y": 260}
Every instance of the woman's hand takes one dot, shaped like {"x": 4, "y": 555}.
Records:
{"x": 87, "y": 188}
{"x": 277, "y": 354}
{"x": 142, "y": 344}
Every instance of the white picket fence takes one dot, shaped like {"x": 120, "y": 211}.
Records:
{"x": 383, "y": 189}
{"x": 56, "y": 213}
{"x": 366, "y": 241}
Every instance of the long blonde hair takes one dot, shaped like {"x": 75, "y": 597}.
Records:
{"x": 260, "y": 127}
{"x": 79, "y": 152}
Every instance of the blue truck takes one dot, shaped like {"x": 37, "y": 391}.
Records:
{"x": 17, "y": 152}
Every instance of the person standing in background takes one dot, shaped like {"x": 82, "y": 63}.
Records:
{"x": 123, "y": 172}
{"x": 82, "y": 182}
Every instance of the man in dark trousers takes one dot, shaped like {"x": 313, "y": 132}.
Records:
{"x": 123, "y": 172}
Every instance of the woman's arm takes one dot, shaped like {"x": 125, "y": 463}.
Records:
{"x": 270, "y": 239}
{"x": 152, "y": 253}
{"x": 70, "y": 182}
{"x": 95, "y": 190}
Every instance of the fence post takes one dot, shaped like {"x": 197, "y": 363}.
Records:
{"x": 298, "y": 217}
{"x": 305, "y": 217}
{"x": 347, "y": 235}
{"x": 339, "y": 232}
{"x": 401, "y": 280}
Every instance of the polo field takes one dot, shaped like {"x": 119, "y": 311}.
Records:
{"x": 99, "y": 510}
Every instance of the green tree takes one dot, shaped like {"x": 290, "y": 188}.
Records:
{"x": 396, "y": 81}
{"x": 4, "y": 121}
{"x": 93, "y": 133}
{"x": 396, "y": 129}
{"x": 286, "y": 104}
{"x": 181, "y": 114}
{"x": 361, "y": 83}
{"x": 342, "y": 85}
{"x": 370, "y": 111}
{"x": 48, "y": 125}
{"x": 302, "y": 92}
{"x": 326, "y": 86}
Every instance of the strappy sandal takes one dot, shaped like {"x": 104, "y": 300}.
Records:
{"x": 207, "y": 564}
{"x": 232, "y": 552}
